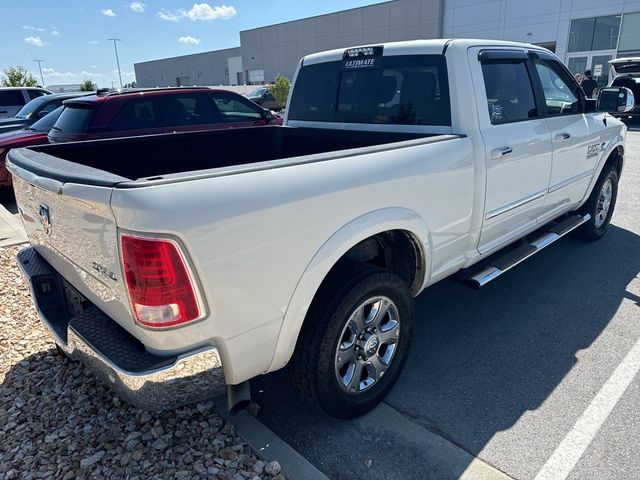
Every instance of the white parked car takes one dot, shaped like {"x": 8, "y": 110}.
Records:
{"x": 177, "y": 265}
{"x": 13, "y": 99}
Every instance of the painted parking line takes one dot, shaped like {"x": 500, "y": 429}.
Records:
{"x": 574, "y": 444}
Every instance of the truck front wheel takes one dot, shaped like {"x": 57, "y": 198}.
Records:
{"x": 600, "y": 205}
{"x": 355, "y": 340}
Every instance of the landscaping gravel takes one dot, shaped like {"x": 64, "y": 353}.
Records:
{"x": 58, "y": 421}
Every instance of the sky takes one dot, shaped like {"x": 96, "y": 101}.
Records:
{"x": 71, "y": 37}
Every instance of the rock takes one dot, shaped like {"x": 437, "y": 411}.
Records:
{"x": 137, "y": 455}
{"x": 368, "y": 462}
{"x": 227, "y": 454}
{"x": 88, "y": 461}
{"x": 213, "y": 470}
{"x": 159, "y": 444}
{"x": 259, "y": 466}
{"x": 272, "y": 468}
{"x": 199, "y": 468}
{"x": 279, "y": 477}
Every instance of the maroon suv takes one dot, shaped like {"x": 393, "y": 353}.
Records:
{"x": 154, "y": 111}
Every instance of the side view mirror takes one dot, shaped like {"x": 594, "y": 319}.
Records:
{"x": 267, "y": 115}
{"x": 615, "y": 100}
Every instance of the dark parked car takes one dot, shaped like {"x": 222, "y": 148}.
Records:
{"x": 262, "y": 97}
{"x": 35, "y": 110}
{"x": 36, "y": 134}
{"x": 155, "y": 111}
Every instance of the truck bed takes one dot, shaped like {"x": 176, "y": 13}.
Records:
{"x": 155, "y": 157}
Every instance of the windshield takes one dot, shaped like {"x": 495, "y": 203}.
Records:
{"x": 45, "y": 123}
{"x": 31, "y": 108}
{"x": 399, "y": 90}
{"x": 258, "y": 92}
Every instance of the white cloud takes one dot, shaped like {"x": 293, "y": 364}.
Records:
{"x": 169, "y": 16}
{"x": 94, "y": 42}
{"x": 34, "y": 29}
{"x": 54, "y": 31}
{"x": 204, "y": 11}
{"x": 137, "y": 7}
{"x": 35, "y": 41}
{"x": 199, "y": 12}
{"x": 107, "y": 12}
{"x": 189, "y": 40}
{"x": 94, "y": 66}
{"x": 105, "y": 79}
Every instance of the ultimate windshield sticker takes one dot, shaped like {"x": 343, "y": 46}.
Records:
{"x": 361, "y": 58}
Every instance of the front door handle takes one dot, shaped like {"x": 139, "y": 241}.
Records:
{"x": 500, "y": 152}
{"x": 561, "y": 137}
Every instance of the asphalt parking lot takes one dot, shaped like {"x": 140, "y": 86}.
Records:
{"x": 535, "y": 374}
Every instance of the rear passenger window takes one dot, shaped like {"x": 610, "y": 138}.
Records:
{"x": 137, "y": 114}
{"x": 509, "y": 92}
{"x": 11, "y": 98}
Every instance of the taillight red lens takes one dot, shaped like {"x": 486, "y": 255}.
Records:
{"x": 161, "y": 290}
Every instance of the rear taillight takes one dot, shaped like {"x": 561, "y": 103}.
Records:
{"x": 162, "y": 291}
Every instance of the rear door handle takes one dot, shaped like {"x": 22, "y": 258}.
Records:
{"x": 500, "y": 152}
{"x": 562, "y": 137}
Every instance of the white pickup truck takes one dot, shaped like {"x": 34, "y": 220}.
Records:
{"x": 178, "y": 265}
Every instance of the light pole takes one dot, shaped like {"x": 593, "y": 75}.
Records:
{"x": 39, "y": 62}
{"x": 115, "y": 47}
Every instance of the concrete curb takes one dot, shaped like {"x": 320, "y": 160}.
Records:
{"x": 269, "y": 446}
{"x": 11, "y": 229}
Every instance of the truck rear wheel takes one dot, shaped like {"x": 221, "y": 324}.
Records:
{"x": 600, "y": 205}
{"x": 355, "y": 340}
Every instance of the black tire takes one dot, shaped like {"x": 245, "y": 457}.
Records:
{"x": 592, "y": 230}
{"x": 312, "y": 369}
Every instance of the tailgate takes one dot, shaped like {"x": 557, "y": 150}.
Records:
{"x": 72, "y": 226}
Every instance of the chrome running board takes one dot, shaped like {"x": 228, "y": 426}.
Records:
{"x": 502, "y": 264}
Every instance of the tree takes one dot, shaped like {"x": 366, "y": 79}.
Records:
{"x": 130, "y": 85}
{"x": 280, "y": 89}
{"x": 88, "y": 86}
{"x": 18, "y": 77}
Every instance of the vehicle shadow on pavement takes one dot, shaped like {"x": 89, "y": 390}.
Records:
{"x": 479, "y": 360}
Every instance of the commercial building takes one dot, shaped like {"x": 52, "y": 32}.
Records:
{"x": 585, "y": 34}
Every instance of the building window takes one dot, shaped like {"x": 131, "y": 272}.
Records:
{"x": 199, "y": 73}
{"x": 630, "y": 34}
{"x": 587, "y": 34}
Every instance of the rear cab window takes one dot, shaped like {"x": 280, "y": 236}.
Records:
{"x": 368, "y": 87}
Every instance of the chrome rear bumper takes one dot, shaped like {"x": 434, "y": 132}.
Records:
{"x": 141, "y": 378}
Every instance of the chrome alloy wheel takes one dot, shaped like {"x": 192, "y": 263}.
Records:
{"x": 367, "y": 344}
{"x": 604, "y": 203}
